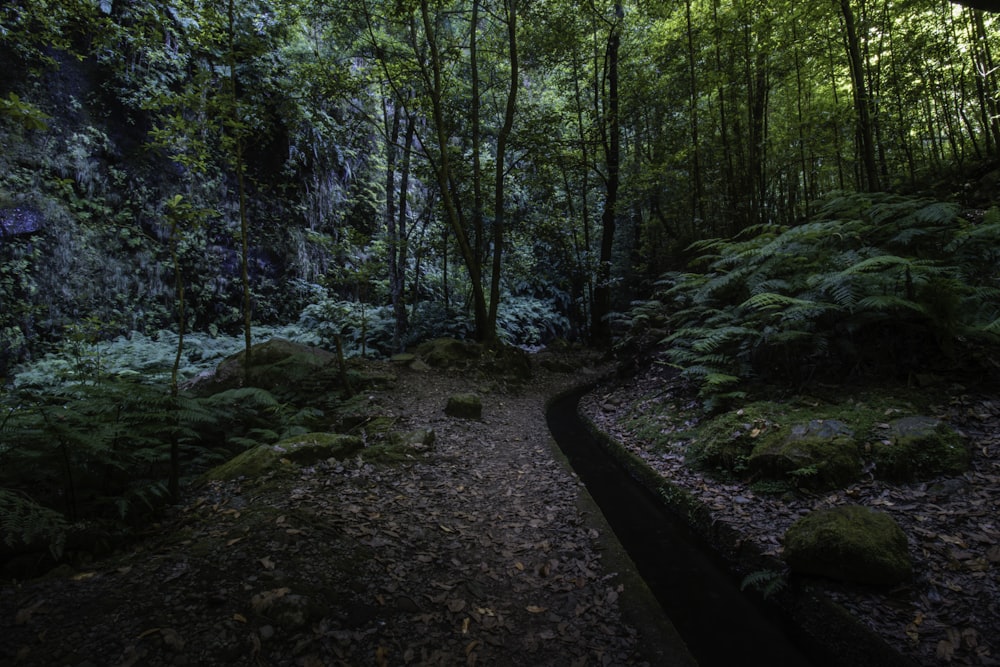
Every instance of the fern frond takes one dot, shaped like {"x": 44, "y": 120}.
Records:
{"x": 885, "y": 302}
{"x": 712, "y": 339}
{"x": 771, "y": 301}
{"x": 877, "y": 263}
{"x": 25, "y": 521}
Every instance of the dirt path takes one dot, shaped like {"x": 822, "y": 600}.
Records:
{"x": 483, "y": 551}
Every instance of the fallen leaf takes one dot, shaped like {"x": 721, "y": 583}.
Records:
{"x": 535, "y": 609}
{"x": 945, "y": 650}
{"x": 240, "y": 618}
{"x": 267, "y": 563}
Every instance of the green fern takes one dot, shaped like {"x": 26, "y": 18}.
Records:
{"x": 765, "y": 582}
{"x": 23, "y": 521}
{"x": 822, "y": 295}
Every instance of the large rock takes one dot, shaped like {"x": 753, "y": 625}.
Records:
{"x": 920, "y": 448}
{"x": 849, "y": 543}
{"x": 464, "y": 406}
{"x": 450, "y": 353}
{"x": 277, "y": 365}
{"x": 820, "y": 454}
{"x": 302, "y": 450}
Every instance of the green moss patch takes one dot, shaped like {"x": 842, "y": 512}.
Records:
{"x": 303, "y": 450}
{"x": 821, "y": 454}
{"x": 849, "y": 543}
{"x": 464, "y": 406}
{"x": 920, "y": 448}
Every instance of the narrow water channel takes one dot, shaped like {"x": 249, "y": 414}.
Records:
{"x": 721, "y": 625}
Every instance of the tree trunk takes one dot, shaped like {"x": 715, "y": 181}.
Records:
{"x": 862, "y": 103}
{"x": 447, "y": 184}
{"x": 600, "y": 326}
{"x": 502, "y": 138}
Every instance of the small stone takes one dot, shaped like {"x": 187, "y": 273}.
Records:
{"x": 266, "y": 632}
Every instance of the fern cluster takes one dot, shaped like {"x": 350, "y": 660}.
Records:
{"x": 874, "y": 283}
{"x": 93, "y": 441}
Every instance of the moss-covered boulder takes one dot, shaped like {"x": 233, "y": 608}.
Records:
{"x": 724, "y": 443}
{"x": 421, "y": 439}
{"x": 278, "y": 365}
{"x": 303, "y": 450}
{"x": 820, "y": 454}
{"x": 507, "y": 361}
{"x": 919, "y": 448}
{"x": 400, "y": 446}
{"x": 849, "y": 543}
{"x": 450, "y": 353}
{"x": 464, "y": 406}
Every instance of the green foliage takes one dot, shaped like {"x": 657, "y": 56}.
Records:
{"x": 521, "y": 321}
{"x": 25, "y": 522}
{"x": 765, "y": 582}
{"x": 872, "y": 284}
{"x": 90, "y": 438}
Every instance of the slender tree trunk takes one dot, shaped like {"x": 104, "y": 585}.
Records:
{"x": 390, "y": 120}
{"x": 697, "y": 214}
{"x": 800, "y": 92}
{"x": 862, "y": 103}
{"x": 478, "y": 229}
{"x": 501, "y": 158}
{"x": 601, "y": 327}
{"x": 173, "y": 484}
{"x": 729, "y": 172}
{"x": 585, "y": 262}
{"x": 447, "y": 183}
{"x": 241, "y": 192}
{"x": 403, "y": 243}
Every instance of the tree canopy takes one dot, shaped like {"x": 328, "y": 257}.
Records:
{"x": 461, "y": 166}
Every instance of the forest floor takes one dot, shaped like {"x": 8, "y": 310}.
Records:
{"x": 483, "y": 550}
{"x": 950, "y": 612}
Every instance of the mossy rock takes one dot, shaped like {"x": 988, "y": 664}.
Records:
{"x": 400, "y": 446}
{"x": 920, "y": 448}
{"x": 725, "y": 442}
{"x": 820, "y": 454}
{"x": 279, "y": 365}
{"x": 450, "y": 353}
{"x": 302, "y": 450}
{"x": 508, "y": 361}
{"x": 464, "y": 406}
{"x": 421, "y": 439}
{"x": 849, "y": 543}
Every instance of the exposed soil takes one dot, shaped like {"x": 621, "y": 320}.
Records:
{"x": 480, "y": 551}
{"x": 950, "y": 612}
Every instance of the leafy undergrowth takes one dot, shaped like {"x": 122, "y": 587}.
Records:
{"x": 950, "y": 612}
{"x": 472, "y": 553}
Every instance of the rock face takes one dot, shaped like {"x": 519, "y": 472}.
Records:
{"x": 821, "y": 454}
{"x": 464, "y": 406}
{"x": 303, "y": 450}
{"x": 849, "y": 543}
{"x": 919, "y": 448}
